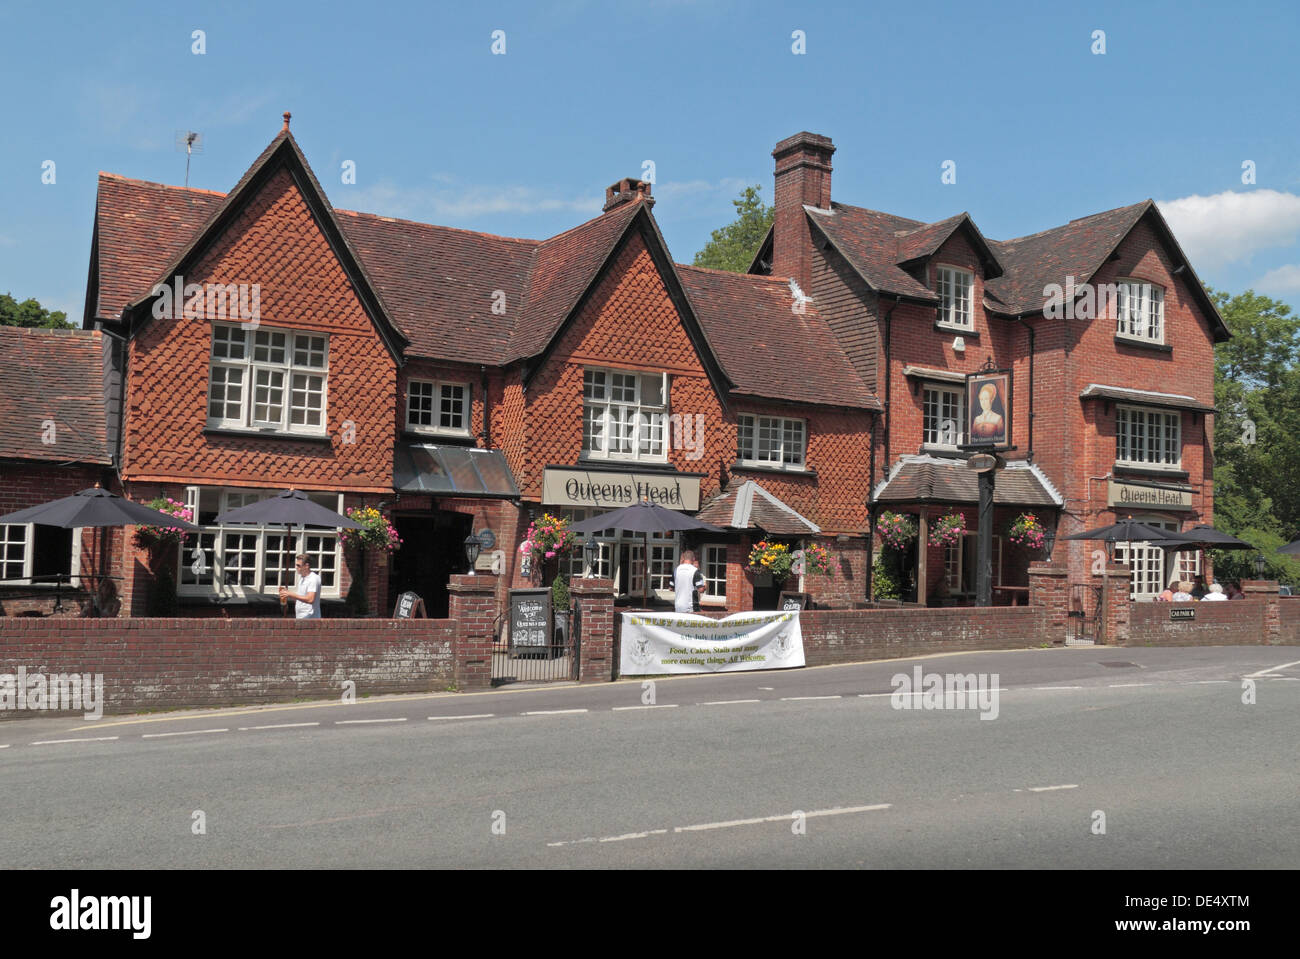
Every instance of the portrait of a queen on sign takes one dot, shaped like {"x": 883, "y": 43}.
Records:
{"x": 988, "y": 409}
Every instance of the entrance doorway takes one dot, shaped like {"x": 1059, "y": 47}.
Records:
{"x": 433, "y": 548}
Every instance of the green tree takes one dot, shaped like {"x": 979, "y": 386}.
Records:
{"x": 1257, "y": 432}
{"x": 733, "y": 247}
{"x": 30, "y": 313}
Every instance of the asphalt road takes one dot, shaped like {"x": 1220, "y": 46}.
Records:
{"x": 713, "y": 773}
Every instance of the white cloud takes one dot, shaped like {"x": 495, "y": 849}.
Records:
{"x": 1285, "y": 279}
{"x": 1231, "y": 227}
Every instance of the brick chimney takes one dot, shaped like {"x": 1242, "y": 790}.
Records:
{"x": 803, "y": 178}
{"x": 625, "y": 191}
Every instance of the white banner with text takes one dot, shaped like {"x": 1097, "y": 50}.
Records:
{"x": 659, "y": 643}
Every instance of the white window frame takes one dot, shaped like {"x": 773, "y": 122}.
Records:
{"x": 716, "y": 593}
{"x": 1140, "y": 310}
{"x": 956, "y": 289}
{"x": 954, "y": 561}
{"x": 1149, "y": 576}
{"x": 611, "y": 541}
{"x": 603, "y": 416}
{"x": 1133, "y": 424}
{"x": 436, "y": 387}
{"x": 229, "y": 497}
{"x": 749, "y": 428}
{"x": 28, "y": 540}
{"x": 288, "y": 368}
{"x": 933, "y": 438}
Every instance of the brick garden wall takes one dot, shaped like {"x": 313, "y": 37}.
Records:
{"x": 847, "y": 636}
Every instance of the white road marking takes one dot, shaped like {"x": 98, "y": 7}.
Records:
{"x": 1208, "y": 682}
{"x": 937, "y": 692}
{"x": 277, "y": 726}
{"x": 552, "y": 712}
{"x": 353, "y": 722}
{"x": 795, "y": 699}
{"x": 1271, "y": 669}
{"x": 471, "y": 716}
{"x": 1058, "y": 687}
{"x": 767, "y": 689}
{"x": 188, "y": 732}
{"x": 1129, "y": 685}
{"x": 90, "y": 739}
{"x": 659, "y": 706}
{"x": 6, "y": 746}
{"x": 1287, "y": 679}
{"x": 1048, "y": 789}
{"x": 787, "y": 817}
{"x": 634, "y": 835}
{"x": 728, "y": 702}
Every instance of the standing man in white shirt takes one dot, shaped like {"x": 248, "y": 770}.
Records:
{"x": 686, "y": 580}
{"x": 306, "y": 594}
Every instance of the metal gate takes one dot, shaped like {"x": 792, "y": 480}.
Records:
{"x": 1082, "y": 617}
{"x": 534, "y": 658}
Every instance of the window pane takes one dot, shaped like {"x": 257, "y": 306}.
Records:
{"x": 419, "y": 403}
{"x": 268, "y": 397}
{"x": 309, "y": 351}
{"x": 268, "y": 346}
{"x": 239, "y": 559}
{"x": 13, "y": 550}
{"x": 451, "y": 410}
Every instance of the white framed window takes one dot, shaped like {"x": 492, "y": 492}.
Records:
{"x": 713, "y": 564}
{"x": 1149, "y": 572}
{"x": 959, "y": 562}
{"x": 956, "y": 290}
{"x": 268, "y": 379}
{"x": 944, "y": 416}
{"x": 664, "y": 548}
{"x": 1140, "y": 310}
{"x": 32, "y": 553}
{"x": 438, "y": 406}
{"x": 624, "y": 415}
{"x": 771, "y": 441}
{"x": 240, "y": 561}
{"x": 1148, "y": 437}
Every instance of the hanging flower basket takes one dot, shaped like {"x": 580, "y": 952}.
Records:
{"x": 812, "y": 561}
{"x": 377, "y": 533}
{"x": 948, "y": 530}
{"x": 773, "y": 558}
{"x": 147, "y": 537}
{"x": 1027, "y": 530}
{"x": 896, "y": 530}
{"x": 548, "y": 538}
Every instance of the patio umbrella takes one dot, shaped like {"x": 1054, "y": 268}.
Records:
{"x": 288, "y": 509}
{"x": 647, "y": 518}
{"x": 1207, "y": 537}
{"x": 95, "y": 507}
{"x": 1292, "y": 548}
{"x": 1129, "y": 530}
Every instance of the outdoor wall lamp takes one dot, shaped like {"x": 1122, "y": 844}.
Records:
{"x": 590, "y": 553}
{"x": 472, "y": 548}
{"x": 1259, "y": 565}
{"x": 1049, "y": 540}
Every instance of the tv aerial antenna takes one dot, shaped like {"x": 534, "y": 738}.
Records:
{"x": 191, "y": 143}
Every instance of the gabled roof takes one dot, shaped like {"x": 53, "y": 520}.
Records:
{"x": 868, "y": 239}
{"x": 918, "y": 245}
{"x": 766, "y": 348}
{"x": 746, "y": 505}
{"x": 52, "y": 375}
{"x": 933, "y": 479}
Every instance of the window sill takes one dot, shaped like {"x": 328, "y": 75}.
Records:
{"x": 959, "y": 330}
{"x": 323, "y": 438}
{"x": 945, "y": 452}
{"x": 431, "y": 436}
{"x": 1122, "y": 340}
{"x": 1172, "y": 473}
{"x": 742, "y": 466}
{"x": 614, "y": 463}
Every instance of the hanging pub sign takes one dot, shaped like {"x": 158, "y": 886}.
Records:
{"x": 988, "y": 408}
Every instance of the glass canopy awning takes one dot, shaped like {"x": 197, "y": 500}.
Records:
{"x": 452, "y": 471}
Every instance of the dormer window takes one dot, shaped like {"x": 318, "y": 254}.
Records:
{"x": 956, "y": 289}
{"x": 1140, "y": 310}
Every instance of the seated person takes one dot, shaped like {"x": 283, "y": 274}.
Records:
{"x": 1184, "y": 594}
{"x": 1216, "y": 594}
{"x": 1168, "y": 595}
{"x": 1234, "y": 590}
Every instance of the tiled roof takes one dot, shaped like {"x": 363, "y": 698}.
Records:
{"x": 1178, "y": 401}
{"x": 928, "y": 479}
{"x": 765, "y": 347}
{"x": 53, "y": 375}
{"x": 868, "y": 239}
{"x": 746, "y": 505}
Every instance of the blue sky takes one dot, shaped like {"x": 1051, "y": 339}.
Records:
{"x": 1041, "y": 129}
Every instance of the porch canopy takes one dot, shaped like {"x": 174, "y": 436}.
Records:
{"x": 747, "y": 505}
{"x": 452, "y": 471}
{"x": 934, "y": 479}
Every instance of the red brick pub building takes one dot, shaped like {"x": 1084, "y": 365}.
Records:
{"x": 465, "y": 383}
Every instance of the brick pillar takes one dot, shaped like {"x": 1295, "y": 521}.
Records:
{"x": 1049, "y": 586}
{"x": 1116, "y": 612}
{"x": 1266, "y": 589}
{"x": 595, "y": 598}
{"x": 473, "y": 607}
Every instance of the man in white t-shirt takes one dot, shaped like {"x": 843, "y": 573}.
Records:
{"x": 686, "y": 580}
{"x": 306, "y": 594}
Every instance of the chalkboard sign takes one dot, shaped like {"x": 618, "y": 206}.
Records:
{"x": 530, "y": 618}
{"x": 409, "y": 606}
{"x": 1182, "y": 612}
{"x": 790, "y": 601}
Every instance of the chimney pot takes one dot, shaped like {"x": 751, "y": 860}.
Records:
{"x": 625, "y": 191}
{"x": 287, "y": 115}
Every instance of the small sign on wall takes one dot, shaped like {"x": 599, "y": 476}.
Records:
{"x": 1183, "y": 613}
{"x": 409, "y": 606}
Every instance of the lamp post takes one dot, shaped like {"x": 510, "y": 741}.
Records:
{"x": 590, "y": 553}
{"x": 1259, "y": 565}
{"x": 472, "y": 548}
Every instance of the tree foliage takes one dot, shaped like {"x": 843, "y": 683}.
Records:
{"x": 30, "y": 313}
{"x": 1257, "y": 433}
{"x": 733, "y": 247}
